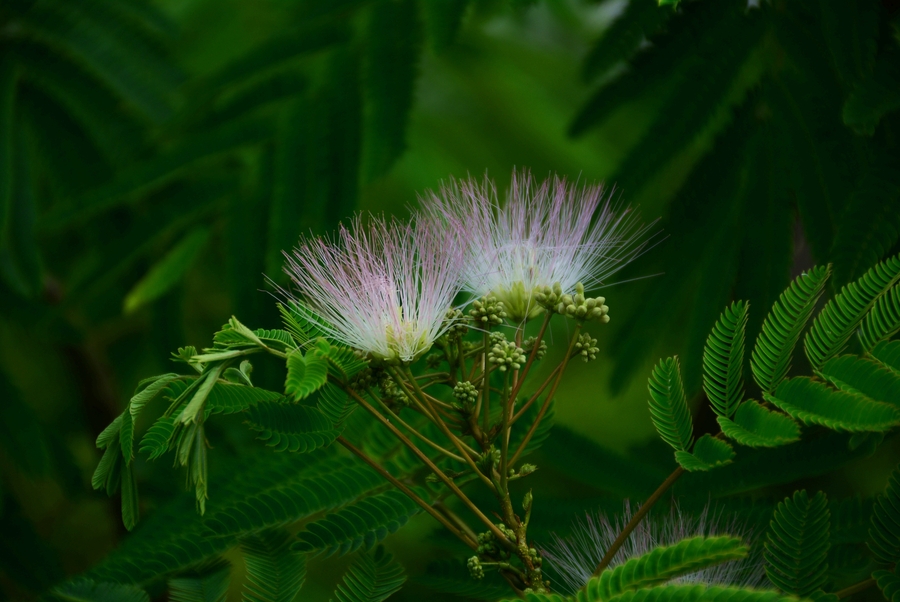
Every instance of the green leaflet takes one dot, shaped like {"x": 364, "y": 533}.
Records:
{"x": 364, "y": 523}
{"x": 708, "y": 452}
{"x": 209, "y": 586}
{"x": 168, "y": 271}
{"x": 854, "y": 374}
{"x": 85, "y": 590}
{"x": 305, "y": 374}
{"x": 151, "y": 388}
{"x": 374, "y": 577}
{"x": 109, "y": 433}
{"x": 771, "y": 357}
{"x": 723, "y": 360}
{"x": 883, "y": 321}
{"x": 639, "y": 20}
{"x": 889, "y": 584}
{"x": 876, "y": 95}
{"x": 812, "y": 402}
{"x": 156, "y": 440}
{"x": 700, "y": 593}
{"x": 668, "y": 406}
{"x": 226, "y": 397}
{"x": 664, "y": 563}
{"x": 289, "y": 427}
{"x": 335, "y": 403}
{"x": 797, "y": 544}
{"x": 274, "y": 572}
{"x": 884, "y": 532}
{"x": 888, "y": 353}
{"x": 841, "y": 316}
{"x": 755, "y": 426}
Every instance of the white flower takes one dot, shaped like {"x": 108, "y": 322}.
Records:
{"x": 383, "y": 287}
{"x": 547, "y": 233}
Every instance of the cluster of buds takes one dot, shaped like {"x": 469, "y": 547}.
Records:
{"x": 586, "y": 347}
{"x": 575, "y": 306}
{"x": 465, "y": 394}
{"x": 476, "y": 571}
{"x": 505, "y": 354}
{"x": 488, "y": 460}
{"x": 488, "y": 544}
{"x": 390, "y": 391}
{"x": 487, "y": 312}
{"x": 456, "y": 325}
{"x": 528, "y": 345}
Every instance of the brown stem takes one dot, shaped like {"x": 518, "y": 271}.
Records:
{"x": 537, "y": 344}
{"x": 856, "y": 588}
{"x": 636, "y": 519}
{"x": 409, "y": 493}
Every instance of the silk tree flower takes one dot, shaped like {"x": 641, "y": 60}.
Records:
{"x": 572, "y": 560}
{"x": 382, "y": 287}
{"x": 545, "y": 233}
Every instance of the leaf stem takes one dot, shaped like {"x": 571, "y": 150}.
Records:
{"x": 855, "y": 588}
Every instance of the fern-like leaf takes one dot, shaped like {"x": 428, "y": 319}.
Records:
{"x": 305, "y": 374}
{"x": 364, "y": 523}
{"x": 884, "y": 533}
{"x": 888, "y": 354}
{"x": 841, "y": 316}
{"x": 210, "y": 585}
{"x": 698, "y": 593}
{"x": 274, "y": 572}
{"x": 863, "y": 376}
{"x": 755, "y": 426}
{"x": 374, "y": 577}
{"x": 708, "y": 453}
{"x": 668, "y": 405}
{"x": 889, "y": 584}
{"x": 85, "y": 590}
{"x": 883, "y": 321}
{"x": 293, "y": 428}
{"x": 812, "y": 402}
{"x": 771, "y": 357}
{"x": 664, "y": 563}
{"x": 796, "y": 549}
{"x": 639, "y": 20}
{"x": 723, "y": 360}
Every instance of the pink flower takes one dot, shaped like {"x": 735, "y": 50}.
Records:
{"x": 545, "y": 233}
{"x": 383, "y": 287}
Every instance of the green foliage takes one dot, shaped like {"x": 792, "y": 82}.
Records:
{"x": 290, "y": 427}
{"x": 723, "y": 360}
{"x": 889, "y": 584}
{"x": 884, "y": 533}
{"x": 883, "y": 320}
{"x": 797, "y": 544}
{"x": 335, "y": 403}
{"x": 305, "y": 374}
{"x": 639, "y": 20}
{"x": 209, "y": 585}
{"x": 168, "y": 271}
{"x": 888, "y": 353}
{"x": 812, "y": 402}
{"x": 755, "y": 426}
{"x": 876, "y": 95}
{"x": 708, "y": 453}
{"x": 274, "y": 572}
{"x": 841, "y": 316}
{"x": 863, "y": 376}
{"x": 364, "y": 523}
{"x": 771, "y": 357}
{"x": 443, "y": 19}
{"x": 85, "y": 590}
{"x": 699, "y": 593}
{"x": 373, "y": 577}
{"x": 668, "y": 405}
{"x": 664, "y": 563}
{"x": 447, "y": 577}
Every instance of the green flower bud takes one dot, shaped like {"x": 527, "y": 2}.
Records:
{"x": 487, "y": 312}
{"x": 586, "y": 347}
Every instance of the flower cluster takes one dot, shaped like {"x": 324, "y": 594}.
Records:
{"x": 384, "y": 287}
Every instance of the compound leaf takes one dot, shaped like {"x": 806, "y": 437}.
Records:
{"x": 723, "y": 360}
{"x": 305, "y": 374}
{"x": 796, "y": 549}
{"x": 275, "y": 573}
{"x": 289, "y": 427}
{"x": 374, "y": 577}
{"x": 668, "y": 405}
{"x": 708, "y": 453}
{"x": 755, "y": 426}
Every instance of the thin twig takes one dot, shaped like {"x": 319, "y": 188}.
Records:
{"x": 856, "y": 588}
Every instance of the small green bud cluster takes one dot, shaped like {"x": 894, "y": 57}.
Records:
{"x": 528, "y": 345}
{"x": 457, "y": 327}
{"x": 489, "y": 459}
{"x": 465, "y": 393}
{"x": 476, "y": 571}
{"x": 586, "y": 347}
{"x": 526, "y": 469}
{"x": 363, "y": 379}
{"x": 574, "y": 306}
{"x": 488, "y": 311}
{"x": 390, "y": 391}
{"x": 433, "y": 360}
{"x": 505, "y": 354}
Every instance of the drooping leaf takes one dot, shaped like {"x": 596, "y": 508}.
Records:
{"x": 863, "y": 376}
{"x": 290, "y": 427}
{"x": 86, "y": 590}
{"x": 883, "y": 320}
{"x": 668, "y": 405}
{"x": 841, "y": 316}
{"x": 797, "y": 544}
{"x": 639, "y": 20}
{"x": 812, "y": 402}
{"x": 884, "y": 532}
{"x": 723, "y": 360}
{"x": 168, "y": 271}
{"x": 375, "y": 576}
{"x": 888, "y": 353}
{"x": 275, "y": 573}
{"x": 305, "y": 374}
{"x": 364, "y": 523}
{"x": 156, "y": 440}
{"x": 755, "y": 426}
{"x": 889, "y": 584}
{"x": 771, "y": 358}
{"x": 876, "y": 95}
{"x": 209, "y": 585}
{"x": 699, "y": 593}
{"x": 708, "y": 453}
{"x": 851, "y": 31}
